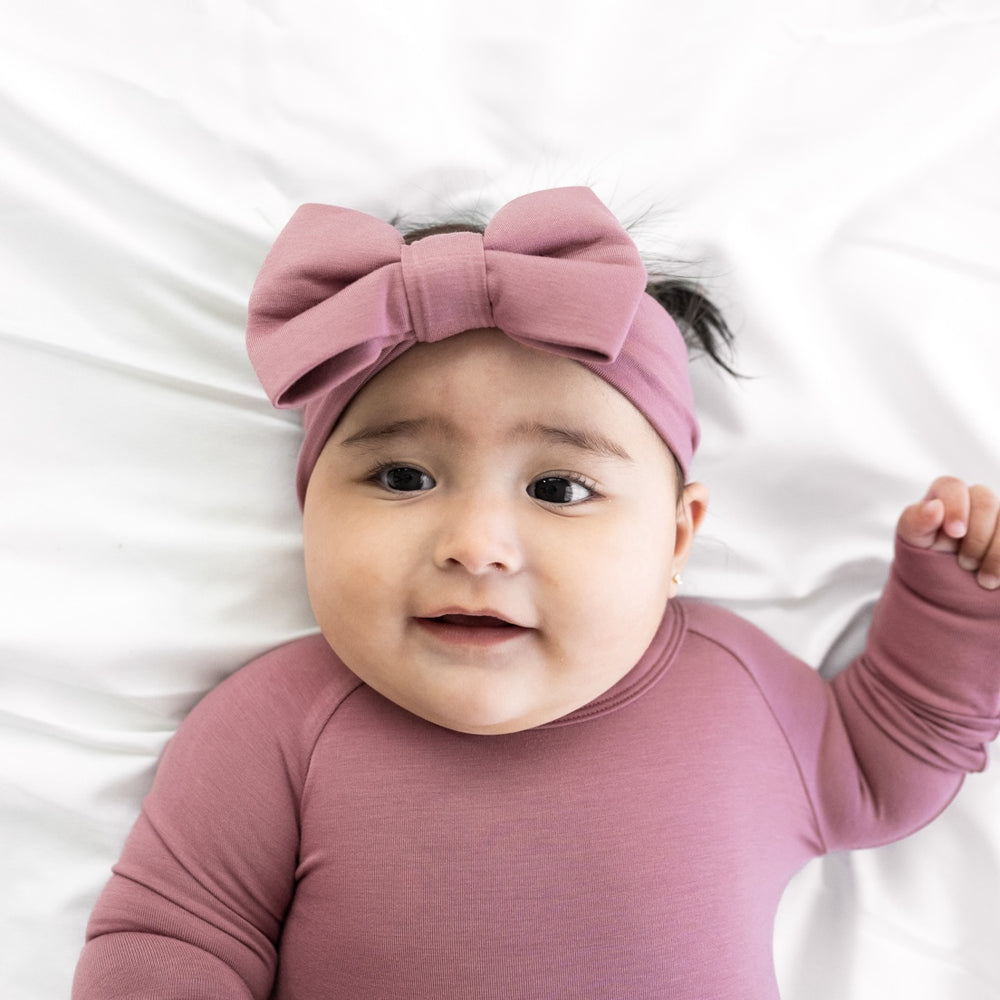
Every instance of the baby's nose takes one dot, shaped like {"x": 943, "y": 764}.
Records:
{"x": 479, "y": 535}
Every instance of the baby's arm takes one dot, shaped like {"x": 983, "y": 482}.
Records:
{"x": 919, "y": 707}
{"x": 195, "y": 907}
{"x": 954, "y": 517}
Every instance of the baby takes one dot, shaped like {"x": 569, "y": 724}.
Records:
{"x": 514, "y": 764}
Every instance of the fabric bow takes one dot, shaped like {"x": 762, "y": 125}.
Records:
{"x": 341, "y": 295}
{"x": 340, "y": 290}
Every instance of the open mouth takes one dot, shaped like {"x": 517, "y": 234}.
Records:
{"x": 475, "y": 630}
{"x": 473, "y": 621}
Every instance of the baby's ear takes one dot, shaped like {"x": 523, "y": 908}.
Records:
{"x": 691, "y": 509}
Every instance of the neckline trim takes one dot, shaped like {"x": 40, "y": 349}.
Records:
{"x": 652, "y": 665}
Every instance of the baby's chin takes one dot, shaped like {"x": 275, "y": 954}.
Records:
{"x": 489, "y": 717}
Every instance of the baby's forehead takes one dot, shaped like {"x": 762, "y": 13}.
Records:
{"x": 511, "y": 376}
{"x": 482, "y": 385}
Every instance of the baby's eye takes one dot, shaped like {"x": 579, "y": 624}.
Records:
{"x": 403, "y": 479}
{"x": 560, "y": 490}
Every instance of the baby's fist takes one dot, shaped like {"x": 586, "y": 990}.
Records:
{"x": 954, "y": 517}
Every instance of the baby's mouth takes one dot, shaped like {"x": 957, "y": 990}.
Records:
{"x": 473, "y": 621}
{"x": 459, "y": 628}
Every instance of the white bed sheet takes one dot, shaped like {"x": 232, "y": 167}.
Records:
{"x": 829, "y": 166}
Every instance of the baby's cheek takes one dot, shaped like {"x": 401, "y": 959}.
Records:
{"x": 325, "y": 584}
{"x": 635, "y": 607}
{"x": 350, "y": 597}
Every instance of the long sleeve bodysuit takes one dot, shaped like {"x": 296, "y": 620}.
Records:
{"x": 305, "y": 838}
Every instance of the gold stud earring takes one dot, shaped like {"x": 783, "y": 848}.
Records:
{"x": 678, "y": 579}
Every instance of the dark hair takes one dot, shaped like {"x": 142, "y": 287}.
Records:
{"x": 699, "y": 319}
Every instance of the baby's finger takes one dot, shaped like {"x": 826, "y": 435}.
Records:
{"x": 954, "y": 494}
{"x": 989, "y": 569}
{"x": 920, "y": 523}
{"x": 984, "y": 510}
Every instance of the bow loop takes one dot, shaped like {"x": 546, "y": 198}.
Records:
{"x": 564, "y": 273}
{"x": 324, "y": 289}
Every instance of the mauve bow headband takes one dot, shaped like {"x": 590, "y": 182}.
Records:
{"x": 341, "y": 295}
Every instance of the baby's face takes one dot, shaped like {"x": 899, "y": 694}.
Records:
{"x": 491, "y": 533}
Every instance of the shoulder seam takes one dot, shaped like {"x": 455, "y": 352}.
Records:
{"x": 738, "y": 658}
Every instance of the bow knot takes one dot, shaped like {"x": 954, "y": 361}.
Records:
{"x": 447, "y": 292}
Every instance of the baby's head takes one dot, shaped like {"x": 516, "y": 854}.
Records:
{"x": 494, "y": 427}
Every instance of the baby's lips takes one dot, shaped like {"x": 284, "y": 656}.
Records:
{"x": 484, "y": 618}
{"x": 476, "y": 621}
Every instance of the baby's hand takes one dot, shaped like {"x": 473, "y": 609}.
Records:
{"x": 954, "y": 517}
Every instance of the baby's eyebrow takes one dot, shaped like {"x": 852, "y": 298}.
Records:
{"x": 583, "y": 438}
{"x": 373, "y": 434}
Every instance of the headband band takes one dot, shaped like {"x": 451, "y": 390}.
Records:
{"x": 340, "y": 296}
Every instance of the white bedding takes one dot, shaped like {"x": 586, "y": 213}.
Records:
{"x": 830, "y": 167}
